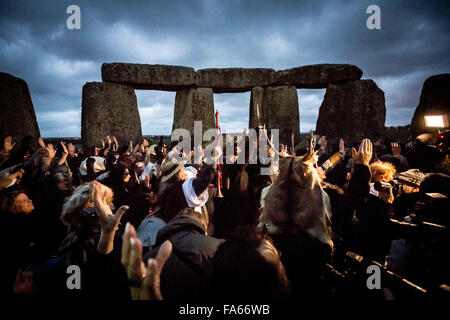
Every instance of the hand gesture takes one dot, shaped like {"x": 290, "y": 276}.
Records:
{"x": 387, "y": 196}
{"x": 146, "y": 282}
{"x": 103, "y": 144}
{"x": 108, "y": 140}
{"x": 323, "y": 142}
{"x": 341, "y": 146}
{"x": 7, "y": 145}
{"x": 115, "y": 140}
{"x": 364, "y": 153}
{"x": 51, "y": 151}
{"x": 41, "y": 143}
{"x": 64, "y": 149}
{"x": 396, "y": 149}
{"x": 108, "y": 221}
{"x": 8, "y": 178}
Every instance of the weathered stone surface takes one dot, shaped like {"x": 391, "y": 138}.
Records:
{"x": 256, "y": 104}
{"x": 17, "y": 116}
{"x": 109, "y": 109}
{"x": 149, "y": 76}
{"x": 318, "y": 75}
{"x": 195, "y": 104}
{"x": 352, "y": 110}
{"x": 434, "y": 100}
{"x": 234, "y": 79}
{"x": 280, "y": 105}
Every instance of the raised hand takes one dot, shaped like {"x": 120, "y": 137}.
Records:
{"x": 103, "y": 144}
{"x": 396, "y": 149}
{"x": 341, "y": 146}
{"x": 108, "y": 221}
{"x": 64, "y": 149}
{"x": 51, "y": 151}
{"x": 364, "y": 153}
{"x": 323, "y": 142}
{"x": 108, "y": 140}
{"x": 146, "y": 282}
{"x": 41, "y": 143}
{"x": 7, "y": 145}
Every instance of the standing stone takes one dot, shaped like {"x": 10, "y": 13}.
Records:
{"x": 256, "y": 103}
{"x": 352, "y": 110}
{"x": 280, "y": 105}
{"x": 434, "y": 100}
{"x": 234, "y": 79}
{"x": 109, "y": 109}
{"x": 17, "y": 116}
{"x": 318, "y": 75}
{"x": 149, "y": 76}
{"x": 195, "y": 104}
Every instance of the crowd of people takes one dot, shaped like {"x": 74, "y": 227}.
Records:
{"x": 141, "y": 224}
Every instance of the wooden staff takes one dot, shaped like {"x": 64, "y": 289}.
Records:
{"x": 219, "y": 166}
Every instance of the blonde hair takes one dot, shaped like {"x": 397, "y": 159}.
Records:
{"x": 81, "y": 199}
{"x": 380, "y": 170}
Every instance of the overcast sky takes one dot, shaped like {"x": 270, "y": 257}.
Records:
{"x": 35, "y": 44}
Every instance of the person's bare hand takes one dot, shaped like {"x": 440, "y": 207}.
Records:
{"x": 63, "y": 144}
{"x": 41, "y": 143}
{"x": 396, "y": 149}
{"x": 8, "y": 178}
{"x": 321, "y": 173}
{"x": 364, "y": 153}
{"x": 147, "y": 182}
{"x": 145, "y": 282}
{"x": 24, "y": 284}
{"x": 387, "y": 196}
{"x": 51, "y": 151}
{"x": 108, "y": 140}
{"x": 115, "y": 139}
{"x": 323, "y": 142}
{"x": 136, "y": 178}
{"x": 108, "y": 221}
{"x": 8, "y": 145}
{"x": 341, "y": 146}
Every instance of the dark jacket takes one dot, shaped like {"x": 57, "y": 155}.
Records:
{"x": 343, "y": 204}
{"x": 374, "y": 230}
{"x": 187, "y": 272}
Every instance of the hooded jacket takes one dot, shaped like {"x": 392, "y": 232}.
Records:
{"x": 186, "y": 274}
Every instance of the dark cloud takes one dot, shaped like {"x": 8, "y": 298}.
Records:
{"x": 413, "y": 44}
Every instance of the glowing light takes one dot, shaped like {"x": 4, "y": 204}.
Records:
{"x": 435, "y": 121}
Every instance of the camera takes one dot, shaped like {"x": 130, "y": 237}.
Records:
{"x": 386, "y": 186}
